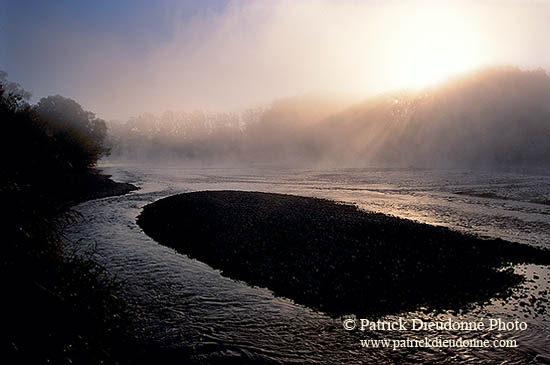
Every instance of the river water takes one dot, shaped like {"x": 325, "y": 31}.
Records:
{"x": 187, "y": 307}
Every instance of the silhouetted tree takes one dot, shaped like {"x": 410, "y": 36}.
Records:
{"x": 79, "y": 134}
{"x": 26, "y": 150}
{"x": 13, "y": 95}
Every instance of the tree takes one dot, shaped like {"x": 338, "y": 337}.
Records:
{"x": 13, "y": 95}
{"x": 78, "y": 132}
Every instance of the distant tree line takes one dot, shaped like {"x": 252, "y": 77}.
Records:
{"x": 276, "y": 133}
{"x": 491, "y": 117}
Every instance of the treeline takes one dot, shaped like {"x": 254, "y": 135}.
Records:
{"x": 198, "y": 134}
{"x": 274, "y": 134}
{"x": 491, "y": 117}
{"x": 496, "y": 117}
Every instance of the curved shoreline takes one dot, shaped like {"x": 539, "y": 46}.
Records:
{"x": 69, "y": 301}
{"x": 333, "y": 257}
{"x": 90, "y": 185}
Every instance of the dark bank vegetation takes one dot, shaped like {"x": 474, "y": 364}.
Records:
{"x": 495, "y": 117}
{"x": 334, "y": 257}
{"x": 57, "y": 307}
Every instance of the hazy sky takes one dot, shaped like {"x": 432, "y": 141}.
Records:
{"x": 122, "y": 58}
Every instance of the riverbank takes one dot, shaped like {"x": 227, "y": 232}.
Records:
{"x": 93, "y": 185}
{"x": 334, "y": 257}
{"x": 58, "y": 307}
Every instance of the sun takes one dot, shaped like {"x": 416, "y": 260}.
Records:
{"x": 432, "y": 44}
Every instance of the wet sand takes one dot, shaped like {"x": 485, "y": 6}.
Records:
{"x": 334, "y": 257}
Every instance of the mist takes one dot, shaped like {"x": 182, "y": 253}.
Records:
{"x": 493, "y": 117}
{"x": 278, "y": 133}
{"x": 297, "y": 82}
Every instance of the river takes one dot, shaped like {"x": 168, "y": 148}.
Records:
{"x": 186, "y": 306}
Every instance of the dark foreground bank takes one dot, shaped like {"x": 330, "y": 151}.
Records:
{"x": 334, "y": 257}
{"x": 57, "y": 307}
{"x": 90, "y": 185}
